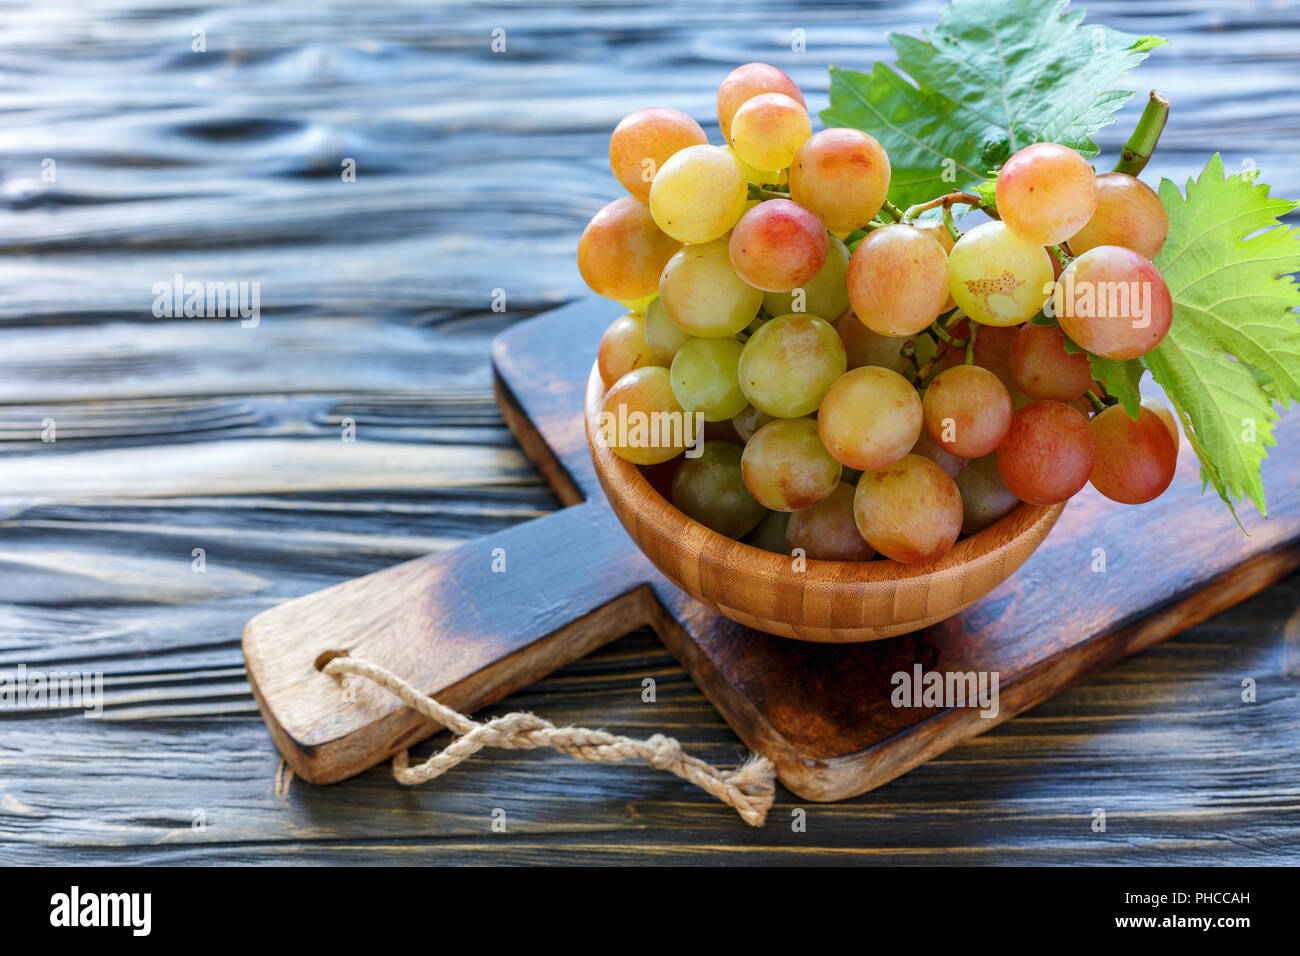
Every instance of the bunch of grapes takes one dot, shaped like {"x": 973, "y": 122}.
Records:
{"x": 779, "y": 298}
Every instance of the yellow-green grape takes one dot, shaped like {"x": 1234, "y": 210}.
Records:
{"x": 768, "y": 130}
{"x": 910, "y": 512}
{"x": 870, "y": 418}
{"x": 705, "y": 379}
{"x": 785, "y": 466}
{"x": 641, "y": 419}
{"x": 702, "y": 294}
{"x": 710, "y": 490}
{"x": 1046, "y": 193}
{"x": 996, "y": 277}
{"x": 825, "y": 294}
{"x": 699, "y": 194}
{"x": 662, "y": 334}
{"x": 984, "y": 495}
{"x": 744, "y": 83}
{"x": 788, "y": 364}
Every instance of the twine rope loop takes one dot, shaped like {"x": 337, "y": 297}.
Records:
{"x": 749, "y": 789}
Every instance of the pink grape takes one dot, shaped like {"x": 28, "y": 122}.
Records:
{"x": 864, "y": 347}
{"x": 1135, "y": 459}
{"x": 898, "y": 280}
{"x": 778, "y": 246}
{"x": 828, "y": 530}
{"x": 927, "y": 447}
{"x": 1113, "y": 303}
{"x": 1048, "y": 454}
{"x": 967, "y": 410}
{"x": 659, "y": 429}
{"x": 1042, "y": 368}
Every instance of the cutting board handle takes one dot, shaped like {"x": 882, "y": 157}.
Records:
{"x": 467, "y": 625}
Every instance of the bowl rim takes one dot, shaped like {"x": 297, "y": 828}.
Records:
{"x": 1021, "y": 521}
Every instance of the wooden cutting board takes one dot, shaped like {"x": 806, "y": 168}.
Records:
{"x": 476, "y": 622}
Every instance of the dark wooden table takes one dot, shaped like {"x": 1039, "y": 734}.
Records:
{"x": 475, "y": 172}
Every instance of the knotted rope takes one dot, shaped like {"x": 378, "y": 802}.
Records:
{"x": 750, "y": 788}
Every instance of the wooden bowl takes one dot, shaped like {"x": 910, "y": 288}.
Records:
{"x": 830, "y": 601}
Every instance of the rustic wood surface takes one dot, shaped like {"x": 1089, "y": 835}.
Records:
{"x": 475, "y": 172}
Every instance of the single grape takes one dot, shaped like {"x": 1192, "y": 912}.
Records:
{"x": 898, "y": 280}
{"x": 825, "y": 294}
{"x": 1046, "y": 193}
{"x": 702, "y": 294}
{"x": 1042, "y": 368}
{"x": 841, "y": 175}
{"x": 622, "y": 251}
{"x": 710, "y": 490}
{"x": 864, "y": 347}
{"x": 641, "y": 420}
{"x": 997, "y": 278}
{"x": 1135, "y": 459}
{"x": 870, "y": 418}
{"x": 778, "y": 246}
{"x": 662, "y": 334}
{"x": 785, "y": 466}
{"x": 1129, "y": 214}
{"x": 770, "y": 533}
{"x": 705, "y": 379}
{"x": 622, "y": 348}
{"x": 643, "y": 141}
{"x": 750, "y": 421}
{"x": 789, "y": 363}
{"x": 698, "y": 194}
{"x": 827, "y": 531}
{"x": 768, "y": 130}
{"x": 985, "y": 497}
{"x": 744, "y": 83}
{"x": 1113, "y": 302}
{"x": 909, "y": 511}
{"x": 967, "y": 410}
{"x": 1048, "y": 454}
{"x": 927, "y": 447}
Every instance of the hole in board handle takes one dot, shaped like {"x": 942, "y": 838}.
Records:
{"x": 328, "y": 656}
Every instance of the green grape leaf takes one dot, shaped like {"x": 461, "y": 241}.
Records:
{"x": 1121, "y": 380}
{"x": 1233, "y": 350}
{"x": 991, "y": 78}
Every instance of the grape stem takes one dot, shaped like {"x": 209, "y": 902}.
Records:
{"x": 1137, "y": 151}
{"x": 1060, "y": 252}
{"x": 965, "y": 199}
{"x": 895, "y": 213}
{"x": 970, "y": 343}
{"x": 760, "y": 192}
{"x": 1097, "y": 404}
{"x": 949, "y": 224}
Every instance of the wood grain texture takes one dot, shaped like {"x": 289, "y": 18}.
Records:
{"x": 476, "y": 172}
